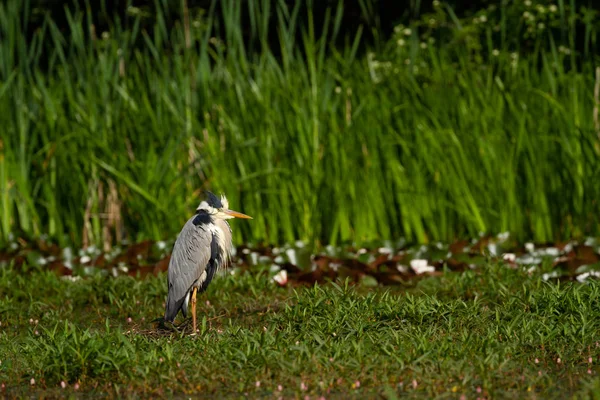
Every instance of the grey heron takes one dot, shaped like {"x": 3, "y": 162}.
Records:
{"x": 202, "y": 248}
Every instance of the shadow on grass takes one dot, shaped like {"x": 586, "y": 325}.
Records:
{"x": 162, "y": 329}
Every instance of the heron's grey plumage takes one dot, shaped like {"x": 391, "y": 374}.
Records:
{"x": 202, "y": 248}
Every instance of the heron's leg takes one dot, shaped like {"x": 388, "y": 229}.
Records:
{"x": 194, "y": 290}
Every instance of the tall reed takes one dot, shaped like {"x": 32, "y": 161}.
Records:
{"x": 115, "y": 139}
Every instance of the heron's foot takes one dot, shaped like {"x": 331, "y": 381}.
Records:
{"x": 162, "y": 324}
{"x": 186, "y": 325}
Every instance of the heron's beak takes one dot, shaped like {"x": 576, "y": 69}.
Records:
{"x": 237, "y": 214}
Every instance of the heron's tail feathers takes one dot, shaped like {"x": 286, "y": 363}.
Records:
{"x": 174, "y": 305}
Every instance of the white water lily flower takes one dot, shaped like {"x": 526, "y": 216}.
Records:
{"x": 510, "y": 257}
{"x": 550, "y": 251}
{"x": 279, "y": 260}
{"x": 420, "y": 266}
{"x": 330, "y": 249}
{"x": 583, "y": 277}
{"x": 254, "y": 258}
{"x": 529, "y": 259}
{"x": 274, "y": 268}
{"x": 264, "y": 259}
{"x": 568, "y": 247}
{"x": 281, "y": 277}
{"x": 529, "y": 247}
{"x": 553, "y": 274}
{"x": 291, "y": 253}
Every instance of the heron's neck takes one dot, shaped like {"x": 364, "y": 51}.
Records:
{"x": 223, "y": 232}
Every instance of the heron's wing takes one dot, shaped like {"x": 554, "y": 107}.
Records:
{"x": 189, "y": 260}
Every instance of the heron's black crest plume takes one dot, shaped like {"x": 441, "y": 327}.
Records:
{"x": 213, "y": 200}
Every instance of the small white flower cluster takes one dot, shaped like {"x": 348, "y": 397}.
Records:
{"x": 539, "y": 16}
{"x": 133, "y": 11}
{"x": 378, "y": 69}
{"x": 481, "y": 19}
{"x": 410, "y": 45}
{"x": 564, "y": 50}
{"x": 400, "y": 29}
{"x": 514, "y": 60}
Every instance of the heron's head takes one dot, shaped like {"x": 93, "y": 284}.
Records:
{"x": 219, "y": 207}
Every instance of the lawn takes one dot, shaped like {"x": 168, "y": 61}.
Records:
{"x": 495, "y": 332}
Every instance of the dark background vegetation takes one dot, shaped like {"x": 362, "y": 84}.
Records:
{"x": 377, "y": 17}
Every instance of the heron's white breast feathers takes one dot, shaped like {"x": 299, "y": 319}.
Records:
{"x": 224, "y": 242}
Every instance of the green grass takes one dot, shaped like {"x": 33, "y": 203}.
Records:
{"x": 450, "y": 335}
{"x": 116, "y": 136}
